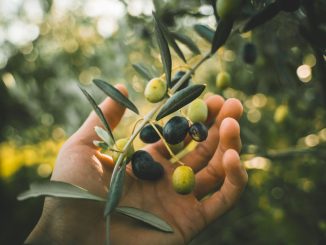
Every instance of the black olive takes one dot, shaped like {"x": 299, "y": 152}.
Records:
{"x": 144, "y": 167}
{"x": 249, "y": 53}
{"x": 198, "y": 131}
{"x": 149, "y": 135}
{"x": 175, "y": 130}
{"x": 177, "y": 77}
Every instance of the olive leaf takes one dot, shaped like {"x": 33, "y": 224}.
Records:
{"x": 180, "y": 99}
{"x": 205, "y": 32}
{"x": 164, "y": 50}
{"x": 67, "y": 190}
{"x": 222, "y": 32}
{"x": 146, "y": 217}
{"x": 57, "y": 189}
{"x": 115, "y": 190}
{"x": 143, "y": 71}
{"x": 262, "y": 16}
{"x": 104, "y": 135}
{"x": 169, "y": 37}
{"x": 115, "y": 94}
{"x": 186, "y": 41}
{"x": 98, "y": 111}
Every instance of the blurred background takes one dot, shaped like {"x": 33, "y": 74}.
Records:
{"x": 48, "y": 48}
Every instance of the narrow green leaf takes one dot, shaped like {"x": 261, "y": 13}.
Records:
{"x": 143, "y": 71}
{"x": 115, "y": 94}
{"x": 205, "y": 32}
{"x": 164, "y": 50}
{"x": 115, "y": 190}
{"x": 57, "y": 189}
{"x": 104, "y": 135}
{"x": 262, "y": 16}
{"x": 169, "y": 37}
{"x": 186, "y": 41}
{"x": 180, "y": 99}
{"x": 222, "y": 33}
{"x": 146, "y": 217}
{"x": 98, "y": 111}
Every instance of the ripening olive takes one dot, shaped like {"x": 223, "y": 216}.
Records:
{"x": 290, "y": 5}
{"x": 175, "y": 130}
{"x": 149, "y": 135}
{"x": 155, "y": 90}
{"x": 249, "y": 53}
{"x": 183, "y": 180}
{"x": 228, "y": 8}
{"x": 177, "y": 77}
{"x": 144, "y": 166}
{"x": 197, "y": 111}
{"x": 118, "y": 146}
{"x": 198, "y": 132}
{"x": 223, "y": 80}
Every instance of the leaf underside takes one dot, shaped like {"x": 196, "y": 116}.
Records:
{"x": 205, "y": 32}
{"x": 143, "y": 71}
{"x": 66, "y": 190}
{"x": 186, "y": 41}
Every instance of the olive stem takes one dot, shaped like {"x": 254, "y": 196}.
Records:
{"x": 147, "y": 119}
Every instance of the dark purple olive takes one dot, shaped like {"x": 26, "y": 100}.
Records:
{"x": 149, "y": 135}
{"x": 249, "y": 53}
{"x": 175, "y": 130}
{"x": 198, "y": 131}
{"x": 177, "y": 77}
{"x": 144, "y": 167}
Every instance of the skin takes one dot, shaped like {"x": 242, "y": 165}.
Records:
{"x": 215, "y": 161}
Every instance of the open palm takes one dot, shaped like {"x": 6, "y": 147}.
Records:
{"x": 215, "y": 161}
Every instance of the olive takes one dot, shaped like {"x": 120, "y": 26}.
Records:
{"x": 155, "y": 90}
{"x": 198, "y": 132}
{"x": 290, "y": 5}
{"x": 223, "y": 80}
{"x": 197, "y": 111}
{"x": 175, "y": 130}
{"x": 118, "y": 147}
{"x": 183, "y": 180}
{"x": 228, "y": 8}
{"x": 149, "y": 135}
{"x": 249, "y": 53}
{"x": 177, "y": 77}
{"x": 144, "y": 167}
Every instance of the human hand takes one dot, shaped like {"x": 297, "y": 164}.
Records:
{"x": 215, "y": 161}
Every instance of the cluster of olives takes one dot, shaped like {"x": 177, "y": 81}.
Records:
{"x": 174, "y": 132}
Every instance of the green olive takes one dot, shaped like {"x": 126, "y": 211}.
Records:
{"x": 197, "y": 111}
{"x": 228, "y": 8}
{"x": 183, "y": 180}
{"x": 155, "y": 90}
{"x": 118, "y": 147}
{"x": 223, "y": 80}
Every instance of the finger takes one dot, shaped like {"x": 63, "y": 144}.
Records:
{"x": 112, "y": 112}
{"x": 210, "y": 176}
{"x": 234, "y": 183}
{"x": 204, "y": 151}
{"x": 214, "y": 104}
